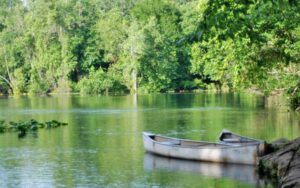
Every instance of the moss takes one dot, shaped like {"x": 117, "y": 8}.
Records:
{"x": 298, "y": 152}
{"x": 261, "y": 167}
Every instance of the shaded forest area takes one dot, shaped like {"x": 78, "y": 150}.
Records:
{"x": 144, "y": 46}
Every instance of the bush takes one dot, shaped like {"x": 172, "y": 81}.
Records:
{"x": 294, "y": 93}
{"x": 19, "y": 82}
{"x": 96, "y": 82}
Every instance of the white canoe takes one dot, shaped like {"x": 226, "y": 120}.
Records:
{"x": 204, "y": 151}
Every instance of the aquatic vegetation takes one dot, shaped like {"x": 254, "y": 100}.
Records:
{"x": 22, "y": 127}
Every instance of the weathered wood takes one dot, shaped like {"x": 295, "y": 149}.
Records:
{"x": 283, "y": 164}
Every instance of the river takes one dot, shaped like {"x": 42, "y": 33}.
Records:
{"x": 102, "y": 145}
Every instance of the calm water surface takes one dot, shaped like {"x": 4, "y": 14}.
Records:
{"x": 102, "y": 145}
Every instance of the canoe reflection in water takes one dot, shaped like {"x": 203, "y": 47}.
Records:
{"x": 243, "y": 173}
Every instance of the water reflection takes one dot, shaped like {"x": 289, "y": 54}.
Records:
{"x": 102, "y": 146}
{"x": 243, "y": 173}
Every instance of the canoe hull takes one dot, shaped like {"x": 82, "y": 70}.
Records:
{"x": 221, "y": 154}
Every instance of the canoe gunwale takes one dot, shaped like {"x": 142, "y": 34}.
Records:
{"x": 237, "y": 153}
{"x": 208, "y": 145}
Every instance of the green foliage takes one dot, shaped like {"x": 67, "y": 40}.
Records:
{"x": 22, "y": 127}
{"x": 133, "y": 49}
{"x": 295, "y": 101}
{"x": 100, "y": 46}
{"x": 166, "y": 14}
{"x": 111, "y": 29}
{"x": 97, "y": 82}
{"x": 50, "y": 124}
{"x": 2, "y": 126}
{"x": 19, "y": 82}
{"x": 159, "y": 65}
{"x": 294, "y": 92}
{"x": 247, "y": 44}
{"x": 194, "y": 84}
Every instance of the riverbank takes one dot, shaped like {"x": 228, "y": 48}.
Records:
{"x": 282, "y": 165}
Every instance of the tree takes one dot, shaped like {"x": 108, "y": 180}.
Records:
{"x": 159, "y": 63}
{"x": 243, "y": 42}
{"x": 12, "y": 47}
{"x": 133, "y": 50}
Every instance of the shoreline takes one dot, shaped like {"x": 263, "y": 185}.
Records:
{"x": 282, "y": 163}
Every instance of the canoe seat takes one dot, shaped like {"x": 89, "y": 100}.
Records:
{"x": 171, "y": 142}
{"x": 231, "y": 140}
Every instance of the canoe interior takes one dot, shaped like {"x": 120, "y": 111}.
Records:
{"x": 228, "y": 137}
{"x": 181, "y": 142}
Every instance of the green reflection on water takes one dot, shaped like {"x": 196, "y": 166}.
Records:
{"x": 102, "y": 146}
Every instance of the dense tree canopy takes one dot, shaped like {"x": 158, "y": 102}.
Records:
{"x": 101, "y": 46}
